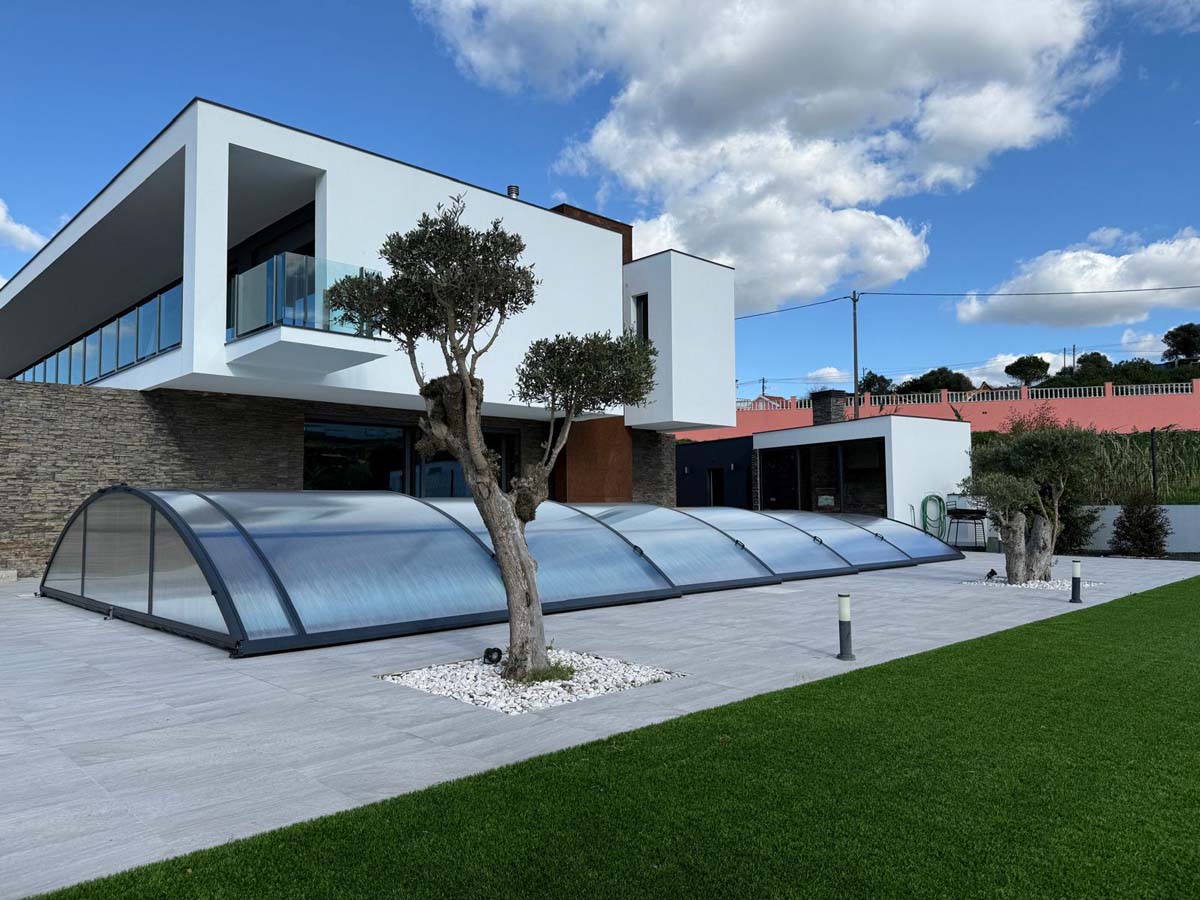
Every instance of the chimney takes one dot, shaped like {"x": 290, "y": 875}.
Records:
{"x": 514, "y": 191}
{"x": 827, "y": 406}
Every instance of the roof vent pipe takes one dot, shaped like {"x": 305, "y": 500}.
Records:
{"x": 514, "y": 191}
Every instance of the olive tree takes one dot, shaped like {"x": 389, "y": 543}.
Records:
{"x": 455, "y": 287}
{"x": 1024, "y": 479}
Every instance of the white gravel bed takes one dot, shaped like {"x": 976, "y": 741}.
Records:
{"x": 1055, "y": 584}
{"x": 474, "y": 681}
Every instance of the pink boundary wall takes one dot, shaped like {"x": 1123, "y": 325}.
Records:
{"x": 1112, "y": 412}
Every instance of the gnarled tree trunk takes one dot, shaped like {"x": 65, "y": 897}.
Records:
{"x": 1039, "y": 549}
{"x": 1012, "y": 535}
{"x": 526, "y": 633}
{"x": 453, "y": 425}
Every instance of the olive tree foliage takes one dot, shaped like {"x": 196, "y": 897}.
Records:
{"x": 1025, "y": 481}
{"x": 455, "y": 286}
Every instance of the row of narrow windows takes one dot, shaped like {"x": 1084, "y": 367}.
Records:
{"x": 152, "y": 327}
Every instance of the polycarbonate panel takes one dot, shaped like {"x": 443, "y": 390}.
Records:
{"x": 181, "y": 592}
{"x": 65, "y": 571}
{"x": 577, "y": 557}
{"x": 858, "y": 546}
{"x": 913, "y": 541}
{"x": 689, "y": 552}
{"x": 781, "y": 547}
{"x": 250, "y": 587}
{"x": 116, "y": 569}
{"x": 355, "y": 559}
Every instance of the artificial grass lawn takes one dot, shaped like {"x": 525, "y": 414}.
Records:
{"x": 1058, "y": 759}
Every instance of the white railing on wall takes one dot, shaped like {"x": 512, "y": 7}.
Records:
{"x": 1000, "y": 394}
{"x": 984, "y": 396}
{"x": 1146, "y": 390}
{"x": 774, "y": 404}
{"x": 1066, "y": 392}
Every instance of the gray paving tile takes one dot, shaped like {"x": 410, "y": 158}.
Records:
{"x": 120, "y": 745}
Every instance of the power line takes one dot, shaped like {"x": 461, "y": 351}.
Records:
{"x": 1181, "y": 287}
{"x": 772, "y": 312}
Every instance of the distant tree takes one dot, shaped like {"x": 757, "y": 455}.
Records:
{"x": 1093, "y": 363}
{"x": 1183, "y": 342}
{"x": 871, "y": 383}
{"x": 454, "y": 286}
{"x": 1138, "y": 371}
{"x": 941, "y": 378}
{"x": 1027, "y": 369}
{"x": 1141, "y": 528}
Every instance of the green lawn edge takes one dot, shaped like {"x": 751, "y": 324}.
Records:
{"x": 1056, "y": 759}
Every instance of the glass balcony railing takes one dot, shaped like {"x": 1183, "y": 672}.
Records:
{"x": 287, "y": 289}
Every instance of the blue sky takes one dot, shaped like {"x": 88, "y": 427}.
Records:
{"x": 1036, "y": 146}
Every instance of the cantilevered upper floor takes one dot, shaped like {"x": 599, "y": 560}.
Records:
{"x": 203, "y": 265}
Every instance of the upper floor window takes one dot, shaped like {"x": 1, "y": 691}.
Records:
{"x": 641, "y": 316}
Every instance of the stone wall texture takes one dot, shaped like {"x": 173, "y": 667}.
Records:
{"x": 59, "y": 444}
{"x": 653, "y": 467}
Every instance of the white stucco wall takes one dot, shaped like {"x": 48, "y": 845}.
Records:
{"x": 359, "y": 198}
{"x": 690, "y": 304}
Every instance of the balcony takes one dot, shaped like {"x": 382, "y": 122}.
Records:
{"x": 278, "y": 318}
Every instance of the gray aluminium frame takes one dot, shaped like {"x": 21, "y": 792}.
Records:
{"x": 944, "y": 557}
{"x": 864, "y": 567}
{"x": 702, "y": 587}
{"x": 237, "y": 632}
{"x": 285, "y": 601}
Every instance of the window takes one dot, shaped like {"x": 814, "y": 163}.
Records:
{"x": 91, "y": 356}
{"x": 108, "y": 348}
{"x": 51, "y": 365}
{"x": 64, "y": 365}
{"x": 77, "y": 362}
{"x": 345, "y": 457}
{"x": 171, "y": 318}
{"x": 641, "y": 316}
{"x": 39, "y": 373}
{"x": 147, "y": 329}
{"x": 127, "y": 339}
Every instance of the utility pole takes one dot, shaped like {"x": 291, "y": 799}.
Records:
{"x": 854, "y": 319}
{"x": 1072, "y": 356}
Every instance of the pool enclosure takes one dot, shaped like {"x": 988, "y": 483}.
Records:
{"x": 258, "y": 572}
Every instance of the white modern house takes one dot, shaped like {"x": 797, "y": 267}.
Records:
{"x": 202, "y": 266}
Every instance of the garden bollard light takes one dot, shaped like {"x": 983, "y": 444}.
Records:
{"x": 846, "y": 648}
{"x": 1076, "y": 581}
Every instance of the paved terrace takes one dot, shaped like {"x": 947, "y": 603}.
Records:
{"x": 120, "y": 745}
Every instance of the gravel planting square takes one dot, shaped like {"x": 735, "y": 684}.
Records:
{"x": 1055, "y": 584}
{"x": 474, "y": 681}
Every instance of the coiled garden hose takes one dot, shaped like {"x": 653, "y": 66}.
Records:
{"x": 937, "y": 523}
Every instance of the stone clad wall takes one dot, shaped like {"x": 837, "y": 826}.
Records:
{"x": 60, "y": 443}
{"x": 653, "y": 467}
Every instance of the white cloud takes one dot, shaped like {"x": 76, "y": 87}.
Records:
{"x": 765, "y": 133}
{"x": 3, "y": 281}
{"x": 1142, "y": 343}
{"x": 993, "y": 372}
{"x": 13, "y": 233}
{"x": 830, "y": 375}
{"x": 1166, "y": 263}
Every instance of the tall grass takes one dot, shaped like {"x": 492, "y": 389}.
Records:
{"x": 1124, "y": 468}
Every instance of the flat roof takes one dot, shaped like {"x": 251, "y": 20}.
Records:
{"x": 197, "y": 100}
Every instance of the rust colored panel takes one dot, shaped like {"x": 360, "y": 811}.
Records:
{"x": 597, "y": 464}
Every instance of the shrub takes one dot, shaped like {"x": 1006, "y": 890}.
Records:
{"x": 1141, "y": 528}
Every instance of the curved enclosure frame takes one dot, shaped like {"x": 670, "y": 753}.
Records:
{"x": 258, "y": 572}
